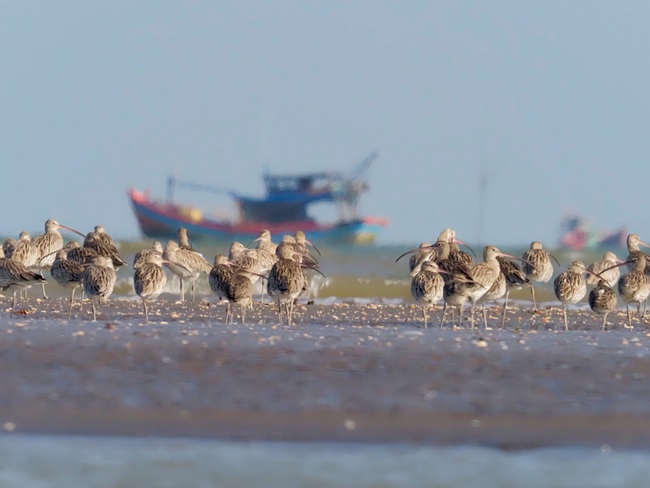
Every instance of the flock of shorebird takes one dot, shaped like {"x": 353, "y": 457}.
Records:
{"x": 439, "y": 271}
{"x": 91, "y": 267}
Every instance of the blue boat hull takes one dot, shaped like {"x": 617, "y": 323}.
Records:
{"x": 161, "y": 221}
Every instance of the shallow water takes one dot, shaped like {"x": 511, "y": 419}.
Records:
{"x": 56, "y": 461}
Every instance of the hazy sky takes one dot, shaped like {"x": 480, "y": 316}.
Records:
{"x": 548, "y": 98}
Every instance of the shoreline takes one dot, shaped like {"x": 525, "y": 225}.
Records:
{"x": 344, "y": 373}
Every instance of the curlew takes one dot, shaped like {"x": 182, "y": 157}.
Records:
{"x": 469, "y": 284}
{"x": 24, "y": 252}
{"x": 16, "y": 277}
{"x": 67, "y": 273}
{"x": 537, "y": 266}
{"x": 98, "y": 280}
{"x": 634, "y": 286}
{"x": 184, "y": 240}
{"x": 265, "y": 242}
{"x": 256, "y": 262}
{"x": 219, "y": 275}
{"x": 149, "y": 279}
{"x": 605, "y": 269}
{"x": 142, "y": 255}
{"x": 48, "y": 243}
{"x": 570, "y": 287}
{"x": 494, "y": 293}
{"x": 95, "y": 241}
{"x": 427, "y": 287}
{"x": 100, "y": 234}
{"x": 287, "y": 280}
{"x": 82, "y": 255}
{"x": 8, "y": 246}
{"x": 423, "y": 253}
{"x": 633, "y": 243}
{"x": 239, "y": 291}
{"x": 302, "y": 242}
{"x": 602, "y": 299}
{"x": 187, "y": 265}
{"x": 515, "y": 279}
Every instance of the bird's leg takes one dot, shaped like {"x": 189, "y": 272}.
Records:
{"x": 505, "y": 309}
{"x": 71, "y": 302}
{"x": 228, "y": 312}
{"x": 566, "y": 324}
{"x": 444, "y": 312}
{"x": 604, "y": 321}
{"x": 146, "y": 311}
{"x": 193, "y": 291}
{"x": 424, "y": 315}
{"x": 532, "y": 290}
{"x": 243, "y": 313}
{"x": 94, "y": 311}
{"x": 629, "y": 317}
{"x": 485, "y": 318}
{"x": 44, "y": 294}
{"x": 182, "y": 297}
{"x": 13, "y": 305}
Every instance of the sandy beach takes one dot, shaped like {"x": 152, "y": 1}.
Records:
{"x": 343, "y": 372}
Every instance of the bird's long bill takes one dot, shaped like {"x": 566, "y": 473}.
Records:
{"x": 314, "y": 268}
{"x": 307, "y": 242}
{"x": 611, "y": 267}
{"x": 463, "y": 244}
{"x": 641, "y": 243}
{"x": 72, "y": 230}
{"x": 555, "y": 259}
{"x": 412, "y": 251}
{"x": 254, "y": 240}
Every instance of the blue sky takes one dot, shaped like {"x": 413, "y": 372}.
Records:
{"x": 549, "y": 99}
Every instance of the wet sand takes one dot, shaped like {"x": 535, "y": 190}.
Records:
{"x": 344, "y": 372}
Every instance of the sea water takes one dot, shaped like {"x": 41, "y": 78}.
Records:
{"x": 66, "y": 461}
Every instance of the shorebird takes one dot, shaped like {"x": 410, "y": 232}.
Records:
{"x": 97, "y": 242}
{"x": 67, "y": 273}
{"x": 82, "y": 255}
{"x": 427, "y": 286}
{"x": 495, "y": 292}
{"x": 287, "y": 280}
{"x": 16, "y": 277}
{"x": 265, "y": 242}
{"x": 24, "y": 252}
{"x": 604, "y": 269}
{"x": 423, "y": 253}
{"x": 302, "y": 243}
{"x": 471, "y": 283}
{"x": 515, "y": 279}
{"x": 239, "y": 290}
{"x": 634, "y": 286}
{"x": 570, "y": 287}
{"x": 100, "y": 234}
{"x": 256, "y": 262}
{"x": 537, "y": 266}
{"x": 142, "y": 255}
{"x": 187, "y": 265}
{"x": 48, "y": 243}
{"x": 183, "y": 240}
{"x": 149, "y": 279}
{"x": 219, "y": 276}
{"x": 98, "y": 280}
{"x": 633, "y": 243}
{"x": 602, "y": 299}
{"x": 8, "y": 247}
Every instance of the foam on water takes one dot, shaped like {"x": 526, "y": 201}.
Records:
{"x": 55, "y": 461}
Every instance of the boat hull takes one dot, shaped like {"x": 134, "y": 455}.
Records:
{"x": 162, "y": 221}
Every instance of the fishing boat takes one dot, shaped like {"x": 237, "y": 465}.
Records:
{"x": 283, "y": 210}
{"x": 578, "y": 235}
